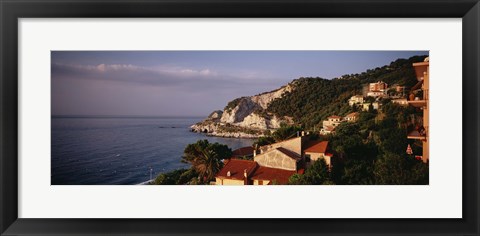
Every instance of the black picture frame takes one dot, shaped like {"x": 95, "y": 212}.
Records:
{"x": 12, "y": 10}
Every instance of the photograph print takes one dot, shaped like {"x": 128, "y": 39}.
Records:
{"x": 240, "y": 117}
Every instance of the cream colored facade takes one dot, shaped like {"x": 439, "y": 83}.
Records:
{"x": 317, "y": 156}
{"x": 261, "y": 182}
{"x": 357, "y": 99}
{"x": 220, "y": 181}
{"x": 366, "y": 106}
{"x": 277, "y": 159}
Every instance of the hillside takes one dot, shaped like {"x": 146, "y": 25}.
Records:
{"x": 304, "y": 101}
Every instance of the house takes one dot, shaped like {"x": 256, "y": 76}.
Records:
{"x": 366, "y": 106}
{"x": 400, "y": 101}
{"x": 352, "y": 117}
{"x": 330, "y": 124}
{"x": 354, "y": 100}
{"x": 316, "y": 150}
{"x": 378, "y": 86}
{"x": 327, "y": 130}
{"x": 378, "y": 89}
{"x": 333, "y": 121}
{"x": 275, "y": 164}
{"x": 377, "y": 94}
{"x": 236, "y": 172}
{"x": 266, "y": 175}
{"x": 422, "y": 72}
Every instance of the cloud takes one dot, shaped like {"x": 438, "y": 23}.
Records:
{"x": 163, "y": 75}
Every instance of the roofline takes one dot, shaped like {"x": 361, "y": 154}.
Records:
{"x": 281, "y": 141}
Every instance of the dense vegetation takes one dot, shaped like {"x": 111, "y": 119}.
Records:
{"x": 368, "y": 151}
{"x": 371, "y": 151}
{"x": 206, "y": 160}
{"x": 314, "y": 99}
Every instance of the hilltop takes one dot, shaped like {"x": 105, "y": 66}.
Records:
{"x": 305, "y": 101}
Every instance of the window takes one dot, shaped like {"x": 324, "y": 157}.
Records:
{"x": 260, "y": 182}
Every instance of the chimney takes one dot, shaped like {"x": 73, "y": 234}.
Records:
{"x": 255, "y": 150}
{"x": 245, "y": 173}
{"x": 298, "y": 133}
{"x": 228, "y": 173}
{"x": 303, "y": 133}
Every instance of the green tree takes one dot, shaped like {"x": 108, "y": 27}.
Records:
{"x": 265, "y": 140}
{"x": 394, "y": 169}
{"x": 285, "y": 132}
{"x": 206, "y": 158}
{"x": 316, "y": 174}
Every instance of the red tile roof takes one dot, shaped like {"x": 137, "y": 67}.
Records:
{"x": 237, "y": 168}
{"x": 334, "y": 117}
{"x": 244, "y": 151}
{"x": 352, "y": 114}
{"x": 317, "y": 146}
{"x": 267, "y": 173}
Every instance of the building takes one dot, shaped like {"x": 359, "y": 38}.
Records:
{"x": 352, "y": 117}
{"x": 236, "y": 172}
{"x": 421, "y": 131}
{"x": 275, "y": 164}
{"x": 327, "y": 130}
{"x": 378, "y": 86}
{"x": 378, "y": 89}
{"x": 333, "y": 121}
{"x": 315, "y": 151}
{"x": 266, "y": 175}
{"x": 330, "y": 124}
{"x": 377, "y": 94}
{"x": 400, "y": 101}
{"x": 366, "y": 106}
{"x": 355, "y": 100}
{"x": 280, "y": 158}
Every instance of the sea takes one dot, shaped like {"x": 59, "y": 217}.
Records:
{"x": 122, "y": 150}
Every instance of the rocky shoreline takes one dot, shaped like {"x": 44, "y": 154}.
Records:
{"x": 245, "y": 117}
{"x": 213, "y": 130}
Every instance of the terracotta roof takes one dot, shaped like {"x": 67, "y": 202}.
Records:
{"x": 352, "y": 114}
{"x": 267, "y": 173}
{"x": 317, "y": 146}
{"x": 334, "y": 117}
{"x": 244, "y": 151}
{"x": 289, "y": 153}
{"x": 236, "y": 168}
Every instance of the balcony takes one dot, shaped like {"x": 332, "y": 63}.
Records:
{"x": 416, "y": 135}
{"x": 418, "y": 103}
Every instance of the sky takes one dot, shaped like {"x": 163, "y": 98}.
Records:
{"x": 188, "y": 83}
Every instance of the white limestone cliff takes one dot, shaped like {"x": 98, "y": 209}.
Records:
{"x": 246, "y": 118}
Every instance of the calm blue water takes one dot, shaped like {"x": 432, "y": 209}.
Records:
{"x": 121, "y": 150}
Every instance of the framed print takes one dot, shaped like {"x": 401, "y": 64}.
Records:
{"x": 124, "y": 117}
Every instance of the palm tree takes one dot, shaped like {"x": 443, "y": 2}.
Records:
{"x": 206, "y": 158}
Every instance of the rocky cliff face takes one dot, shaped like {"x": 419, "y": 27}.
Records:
{"x": 244, "y": 117}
